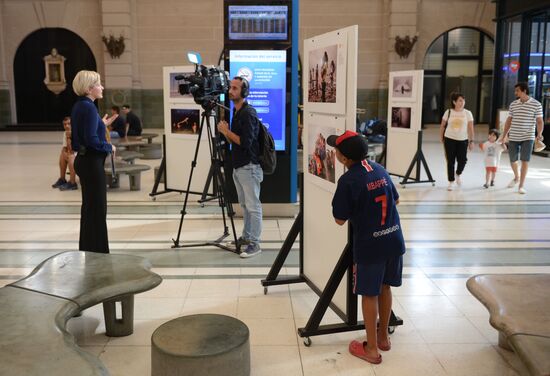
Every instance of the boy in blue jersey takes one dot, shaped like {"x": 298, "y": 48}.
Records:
{"x": 367, "y": 198}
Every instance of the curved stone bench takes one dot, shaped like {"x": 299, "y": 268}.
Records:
{"x": 204, "y": 344}
{"x": 34, "y": 310}
{"x": 519, "y": 308}
{"x": 132, "y": 170}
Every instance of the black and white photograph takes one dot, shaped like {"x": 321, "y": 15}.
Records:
{"x": 322, "y": 85}
{"x": 185, "y": 121}
{"x": 401, "y": 117}
{"x": 403, "y": 87}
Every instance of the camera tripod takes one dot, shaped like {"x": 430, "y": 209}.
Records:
{"x": 216, "y": 177}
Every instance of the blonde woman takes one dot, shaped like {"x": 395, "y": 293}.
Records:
{"x": 88, "y": 140}
{"x": 457, "y": 135}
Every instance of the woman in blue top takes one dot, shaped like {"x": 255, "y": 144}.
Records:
{"x": 88, "y": 139}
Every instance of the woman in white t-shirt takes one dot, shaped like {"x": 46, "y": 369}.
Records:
{"x": 457, "y": 135}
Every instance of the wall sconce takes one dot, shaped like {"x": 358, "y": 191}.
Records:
{"x": 115, "y": 46}
{"x": 404, "y": 46}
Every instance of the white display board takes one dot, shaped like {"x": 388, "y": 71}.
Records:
{"x": 182, "y": 118}
{"x": 405, "y": 90}
{"x": 324, "y": 240}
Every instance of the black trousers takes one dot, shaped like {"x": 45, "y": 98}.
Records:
{"x": 93, "y": 214}
{"x": 455, "y": 152}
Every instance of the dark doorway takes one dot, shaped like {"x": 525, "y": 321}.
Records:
{"x": 35, "y": 103}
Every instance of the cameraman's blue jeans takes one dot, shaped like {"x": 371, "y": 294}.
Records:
{"x": 247, "y": 181}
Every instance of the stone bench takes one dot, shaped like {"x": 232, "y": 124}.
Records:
{"x": 132, "y": 170}
{"x": 34, "y": 310}
{"x": 519, "y": 308}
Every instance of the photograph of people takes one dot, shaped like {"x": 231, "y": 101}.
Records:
{"x": 402, "y": 87}
{"x": 401, "y": 117}
{"x": 184, "y": 121}
{"x": 321, "y": 158}
{"x": 322, "y": 76}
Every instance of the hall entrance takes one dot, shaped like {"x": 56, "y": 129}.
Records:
{"x": 459, "y": 60}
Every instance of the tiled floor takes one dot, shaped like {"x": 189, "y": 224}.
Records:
{"x": 450, "y": 236}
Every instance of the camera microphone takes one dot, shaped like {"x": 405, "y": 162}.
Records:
{"x": 179, "y": 77}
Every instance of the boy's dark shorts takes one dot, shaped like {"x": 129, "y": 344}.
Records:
{"x": 368, "y": 279}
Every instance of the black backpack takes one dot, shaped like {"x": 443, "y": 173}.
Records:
{"x": 268, "y": 156}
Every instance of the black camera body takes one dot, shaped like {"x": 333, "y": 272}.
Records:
{"x": 205, "y": 84}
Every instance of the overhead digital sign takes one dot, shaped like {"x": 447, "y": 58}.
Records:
{"x": 258, "y": 22}
{"x": 266, "y": 73}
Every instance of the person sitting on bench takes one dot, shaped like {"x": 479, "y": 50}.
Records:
{"x": 66, "y": 159}
{"x": 133, "y": 123}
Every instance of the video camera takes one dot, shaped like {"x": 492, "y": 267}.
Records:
{"x": 206, "y": 84}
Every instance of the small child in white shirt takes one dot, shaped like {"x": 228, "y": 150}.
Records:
{"x": 492, "y": 150}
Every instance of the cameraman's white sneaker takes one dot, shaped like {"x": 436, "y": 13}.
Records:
{"x": 251, "y": 250}
{"x": 450, "y": 186}
{"x": 522, "y": 191}
{"x": 458, "y": 180}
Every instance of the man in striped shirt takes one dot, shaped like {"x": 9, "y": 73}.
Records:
{"x": 519, "y": 129}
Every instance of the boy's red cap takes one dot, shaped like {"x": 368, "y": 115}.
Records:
{"x": 352, "y": 145}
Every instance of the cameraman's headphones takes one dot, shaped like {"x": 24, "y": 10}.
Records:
{"x": 245, "y": 87}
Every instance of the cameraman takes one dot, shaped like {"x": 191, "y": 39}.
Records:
{"x": 247, "y": 172}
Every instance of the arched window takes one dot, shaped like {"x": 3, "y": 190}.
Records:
{"x": 458, "y": 60}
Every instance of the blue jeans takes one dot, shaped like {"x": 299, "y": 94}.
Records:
{"x": 247, "y": 181}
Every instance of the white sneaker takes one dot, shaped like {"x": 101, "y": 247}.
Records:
{"x": 512, "y": 183}
{"x": 458, "y": 180}
{"x": 450, "y": 186}
{"x": 522, "y": 191}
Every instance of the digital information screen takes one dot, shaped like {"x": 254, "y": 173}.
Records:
{"x": 258, "y": 22}
{"x": 266, "y": 73}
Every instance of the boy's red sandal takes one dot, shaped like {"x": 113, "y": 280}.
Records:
{"x": 356, "y": 349}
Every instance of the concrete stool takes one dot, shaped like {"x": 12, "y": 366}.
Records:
{"x": 205, "y": 344}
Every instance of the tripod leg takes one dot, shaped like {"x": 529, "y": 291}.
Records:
{"x": 193, "y": 165}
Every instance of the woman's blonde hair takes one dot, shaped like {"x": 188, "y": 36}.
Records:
{"x": 84, "y": 80}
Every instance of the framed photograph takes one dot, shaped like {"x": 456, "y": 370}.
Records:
{"x": 174, "y": 77}
{"x": 401, "y": 117}
{"x": 403, "y": 86}
{"x": 320, "y": 163}
{"x": 185, "y": 121}
{"x": 177, "y": 80}
{"x": 325, "y": 73}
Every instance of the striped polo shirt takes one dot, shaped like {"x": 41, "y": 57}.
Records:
{"x": 524, "y": 119}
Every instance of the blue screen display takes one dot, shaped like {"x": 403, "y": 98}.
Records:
{"x": 266, "y": 73}
{"x": 258, "y": 22}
